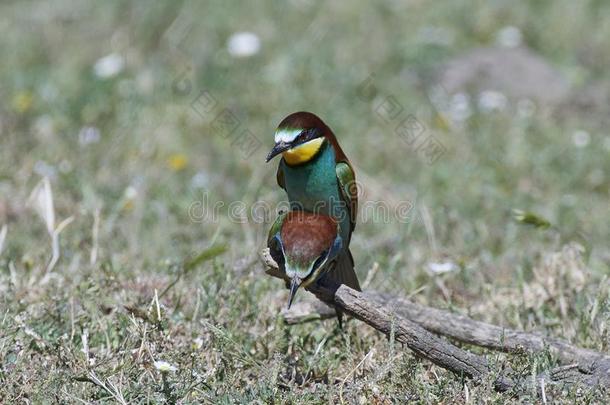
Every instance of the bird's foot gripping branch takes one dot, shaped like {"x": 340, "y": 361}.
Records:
{"x": 417, "y": 328}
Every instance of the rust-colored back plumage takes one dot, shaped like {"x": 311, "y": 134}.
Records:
{"x": 307, "y": 236}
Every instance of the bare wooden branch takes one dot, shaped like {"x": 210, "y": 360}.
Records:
{"x": 416, "y": 338}
{"x": 466, "y": 330}
{"x": 412, "y": 325}
{"x": 494, "y": 337}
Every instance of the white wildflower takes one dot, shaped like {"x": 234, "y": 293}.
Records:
{"x": 131, "y": 193}
{"x": 200, "y": 180}
{"x": 165, "y": 367}
{"x": 197, "y": 343}
{"x": 109, "y": 66}
{"x": 89, "y": 135}
{"x": 581, "y": 138}
{"x": 441, "y": 267}
{"x": 490, "y": 100}
{"x": 459, "y": 107}
{"x": 243, "y": 44}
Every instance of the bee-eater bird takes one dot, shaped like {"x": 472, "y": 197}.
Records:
{"x": 318, "y": 178}
{"x": 308, "y": 245}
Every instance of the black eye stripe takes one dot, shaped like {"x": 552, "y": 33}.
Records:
{"x": 307, "y": 134}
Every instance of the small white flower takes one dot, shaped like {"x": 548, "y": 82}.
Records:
{"x": 243, "y": 44}
{"x": 200, "y": 180}
{"x": 490, "y": 100}
{"x": 197, "y": 343}
{"x": 441, "y": 267}
{"x": 165, "y": 367}
{"x": 509, "y": 37}
{"x": 581, "y": 138}
{"x": 89, "y": 135}
{"x": 109, "y": 66}
{"x": 459, "y": 107}
{"x": 131, "y": 193}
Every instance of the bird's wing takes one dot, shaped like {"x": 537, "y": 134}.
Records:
{"x": 274, "y": 240}
{"x": 344, "y": 272}
{"x": 348, "y": 189}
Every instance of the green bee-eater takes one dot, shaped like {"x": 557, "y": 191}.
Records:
{"x": 318, "y": 178}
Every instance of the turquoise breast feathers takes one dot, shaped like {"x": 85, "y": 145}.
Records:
{"x": 313, "y": 187}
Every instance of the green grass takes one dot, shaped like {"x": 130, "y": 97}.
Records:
{"x": 157, "y": 161}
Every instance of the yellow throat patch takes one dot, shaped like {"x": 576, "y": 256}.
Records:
{"x": 303, "y": 153}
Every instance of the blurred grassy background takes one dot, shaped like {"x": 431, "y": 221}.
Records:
{"x": 107, "y": 101}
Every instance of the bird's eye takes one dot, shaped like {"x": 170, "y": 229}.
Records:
{"x": 302, "y": 136}
{"x": 306, "y": 135}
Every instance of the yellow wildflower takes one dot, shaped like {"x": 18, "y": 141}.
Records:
{"x": 177, "y": 162}
{"x": 23, "y": 101}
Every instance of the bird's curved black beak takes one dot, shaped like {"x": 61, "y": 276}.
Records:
{"x": 277, "y": 149}
{"x": 294, "y": 286}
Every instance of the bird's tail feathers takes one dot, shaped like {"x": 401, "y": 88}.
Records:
{"x": 344, "y": 272}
